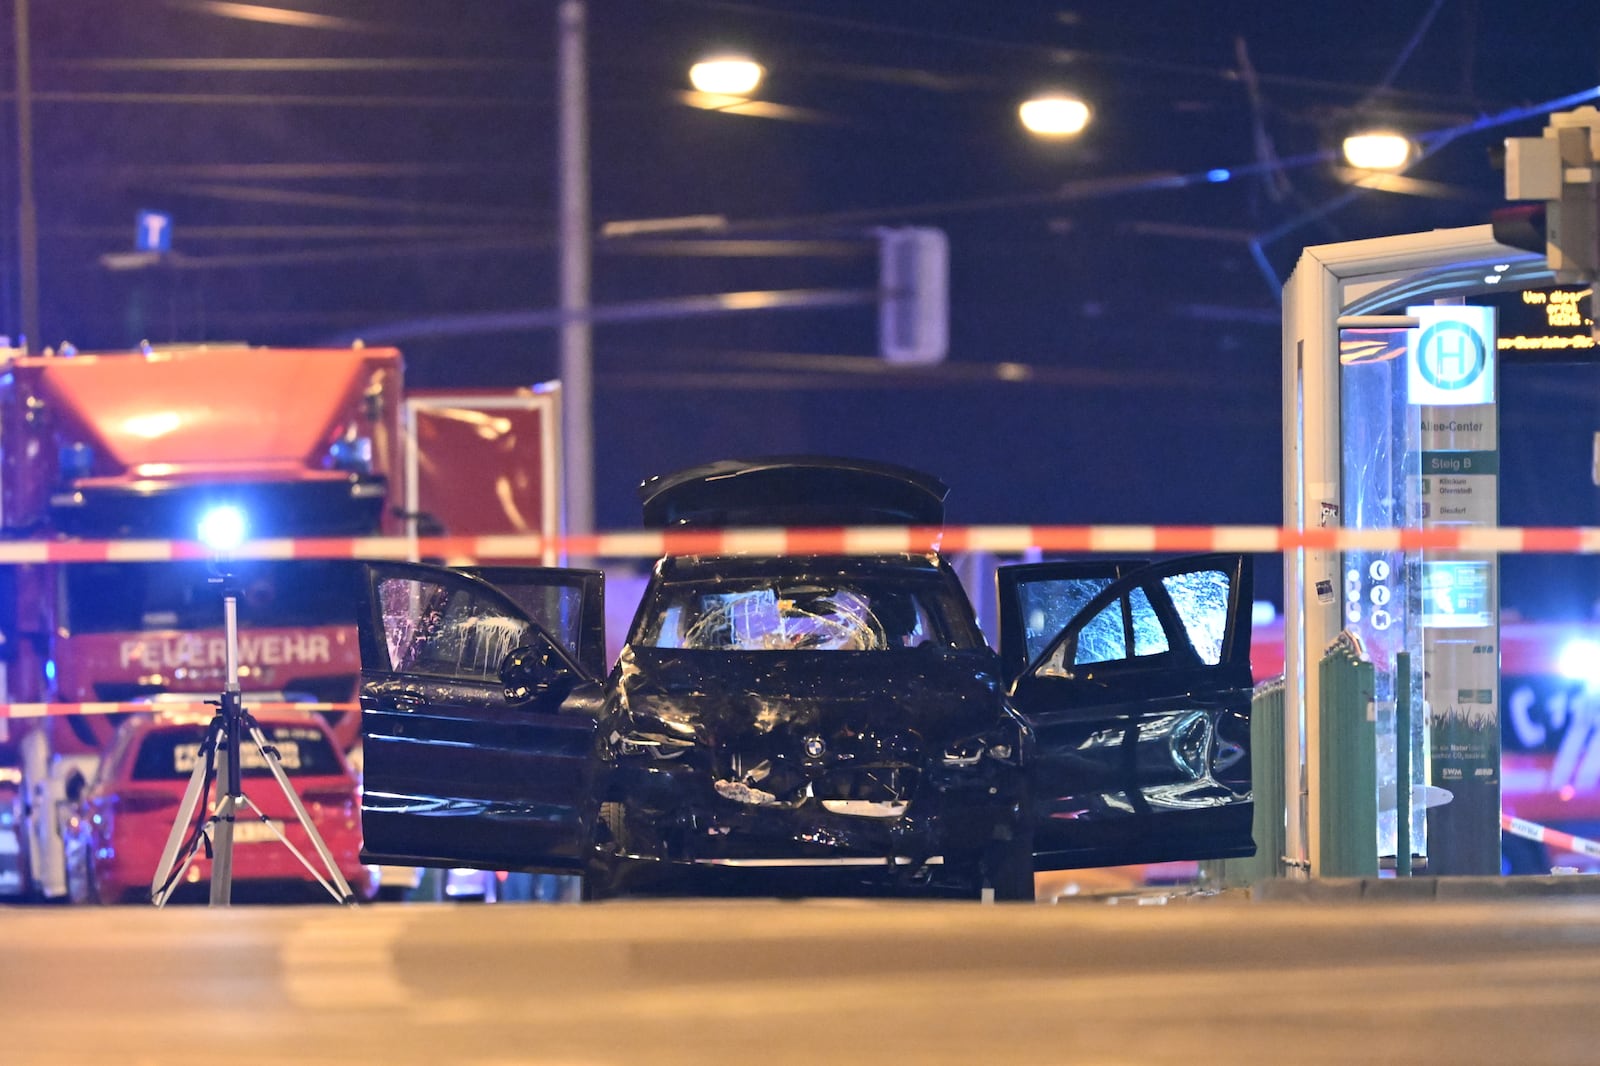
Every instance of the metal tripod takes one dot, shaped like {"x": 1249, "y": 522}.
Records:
{"x": 220, "y": 759}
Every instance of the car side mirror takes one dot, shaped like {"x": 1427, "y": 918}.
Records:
{"x": 533, "y": 669}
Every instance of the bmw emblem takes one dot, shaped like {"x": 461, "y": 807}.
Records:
{"x": 814, "y": 747}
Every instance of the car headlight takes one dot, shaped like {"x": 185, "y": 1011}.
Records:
{"x": 970, "y": 751}
{"x": 657, "y": 737}
{"x": 652, "y": 744}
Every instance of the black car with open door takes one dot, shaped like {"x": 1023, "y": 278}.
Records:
{"x": 801, "y": 723}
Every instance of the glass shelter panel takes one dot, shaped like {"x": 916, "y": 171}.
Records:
{"x": 1420, "y": 448}
{"x": 1380, "y": 461}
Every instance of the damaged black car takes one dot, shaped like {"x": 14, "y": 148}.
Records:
{"x": 812, "y": 722}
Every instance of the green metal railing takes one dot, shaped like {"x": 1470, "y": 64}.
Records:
{"x": 1266, "y": 768}
{"x": 1349, "y": 764}
{"x": 1349, "y": 773}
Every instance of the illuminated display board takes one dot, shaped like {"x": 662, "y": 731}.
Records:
{"x": 1554, "y": 320}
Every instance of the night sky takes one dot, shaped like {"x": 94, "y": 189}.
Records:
{"x": 1114, "y": 314}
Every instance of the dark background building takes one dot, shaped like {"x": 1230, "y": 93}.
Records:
{"x": 342, "y": 168}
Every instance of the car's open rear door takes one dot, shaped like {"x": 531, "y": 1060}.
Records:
{"x": 454, "y": 773}
{"x": 1139, "y": 710}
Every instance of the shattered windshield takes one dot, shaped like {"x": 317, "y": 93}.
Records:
{"x": 795, "y": 615}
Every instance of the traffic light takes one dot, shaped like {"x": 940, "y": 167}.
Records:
{"x": 1561, "y": 168}
{"x": 913, "y": 295}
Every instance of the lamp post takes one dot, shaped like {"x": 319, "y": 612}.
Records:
{"x": 577, "y": 348}
{"x": 27, "y": 220}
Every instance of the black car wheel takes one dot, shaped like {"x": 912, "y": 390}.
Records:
{"x": 600, "y": 876}
{"x": 1004, "y": 867}
{"x": 614, "y": 817}
{"x": 1008, "y": 869}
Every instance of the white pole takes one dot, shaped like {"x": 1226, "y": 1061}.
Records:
{"x": 27, "y": 213}
{"x": 577, "y": 420}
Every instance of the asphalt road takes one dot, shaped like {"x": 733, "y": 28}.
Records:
{"x": 764, "y": 982}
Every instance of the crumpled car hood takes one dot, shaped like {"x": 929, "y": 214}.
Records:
{"x": 722, "y": 696}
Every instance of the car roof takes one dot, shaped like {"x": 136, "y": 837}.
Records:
{"x": 693, "y": 567}
{"x": 794, "y": 491}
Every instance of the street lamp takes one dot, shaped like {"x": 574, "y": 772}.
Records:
{"x": 1377, "y": 150}
{"x": 1056, "y": 115}
{"x": 726, "y": 75}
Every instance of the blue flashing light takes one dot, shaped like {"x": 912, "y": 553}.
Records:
{"x": 222, "y": 528}
{"x": 50, "y": 670}
{"x": 1219, "y": 174}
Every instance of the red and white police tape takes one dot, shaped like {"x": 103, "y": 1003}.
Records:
{"x": 197, "y": 706}
{"x": 838, "y": 540}
{"x": 1553, "y": 837}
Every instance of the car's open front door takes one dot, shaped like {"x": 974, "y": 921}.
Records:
{"x": 1037, "y": 600}
{"x": 566, "y": 603}
{"x": 1139, "y": 710}
{"x": 455, "y": 773}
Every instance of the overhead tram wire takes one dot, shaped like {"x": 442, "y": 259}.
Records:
{"x": 279, "y": 65}
{"x": 345, "y": 202}
{"x": 353, "y": 171}
{"x": 292, "y": 18}
{"x": 1097, "y": 188}
{"x": 1087, "y": 189}
{"x": 1058, "y": 54}
{"x": 70, "y": 96}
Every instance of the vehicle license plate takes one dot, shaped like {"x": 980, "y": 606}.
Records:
{"x": 256, "y": 831}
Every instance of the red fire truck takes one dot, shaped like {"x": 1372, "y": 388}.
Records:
{"x": 134, "y": 448}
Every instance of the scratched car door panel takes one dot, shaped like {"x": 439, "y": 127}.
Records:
{"x": 455, "y": 774}
{"x": 1139, "y": 711}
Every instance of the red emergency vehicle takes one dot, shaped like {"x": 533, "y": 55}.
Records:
{"x": 134, "y": 448}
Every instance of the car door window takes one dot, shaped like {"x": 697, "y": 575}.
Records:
{"x": 567, "y": 604}
{"x": 1102, "y": 639}
{"x": 446, "y": 630}
{"x": 1048, "y": 605}
{"x": 556, "y": 609}
{"x": 1201, "y": 599}
{"x": 1129, "y": 621}
{"x": 1149, "y": 638}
